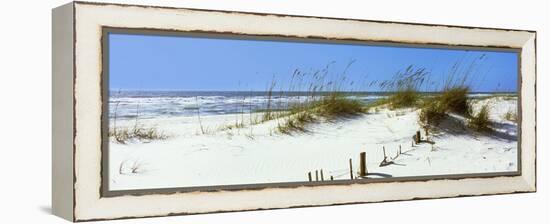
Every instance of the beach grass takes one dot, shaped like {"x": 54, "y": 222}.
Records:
{"x": 135, "y": 132}
{"x": 511, "y": 115}
{"x": 436, "y": 108}
{"x": 328, "y": 107}
{"x": 431, "y": 114}
{"x": 480, "y": 121}
{"x": 295, "y": 123}
{"x": 123, "y": 135}
{"x": 404, "y": 88}
{"x": 326, "y": 98}
{"x": 455, "y": 99}
{"x": 452, "y": 97}
{"x": 323, "y": 98}
{"x": 404, "y": 98}
{"x": 337, "y": 105}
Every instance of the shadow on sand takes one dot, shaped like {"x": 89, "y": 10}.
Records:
{"x": 384, "y": 175}
{"x": 455, "y": 125}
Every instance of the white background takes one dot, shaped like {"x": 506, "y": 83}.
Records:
{"x": 25, "y": 112}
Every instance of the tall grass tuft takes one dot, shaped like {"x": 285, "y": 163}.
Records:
{"x": 511, "y": 115}
{"x": 136, "y": 132}
{"x": 455, "y": 99}
{"x": 296, "y": 123}
{"x": 451, "y": 100}
{"x": 325, "y": 99}
{"x": 124, "y": 135}
{"x": 337, "y": 105}
{"x": 405, "y": 86}
{"x": 330, "y": 107}
{"x": 431, "y": 114}
{"x": 404, "y": 98}
{"x": 268, "y": 115}
{"x": 480, "y": 121}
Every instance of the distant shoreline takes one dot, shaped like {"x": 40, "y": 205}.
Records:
{"x": 179, "y": 103}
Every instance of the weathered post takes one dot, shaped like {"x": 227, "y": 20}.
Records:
{"x": 418, "y": 137}
{"x": 322, "y": 177}
{"x": 316, "y": 175}
{"x": 309, "y": 176}
{"x": 399, "y": 150}
{"x": 331, "y": 177}
{"x": 363, "y": 164}
{"x": 350, "y": 169}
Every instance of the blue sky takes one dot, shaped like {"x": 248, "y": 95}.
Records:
{"x": 154, "y": 62}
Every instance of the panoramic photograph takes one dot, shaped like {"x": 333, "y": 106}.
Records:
{"x": 202, "y": 111}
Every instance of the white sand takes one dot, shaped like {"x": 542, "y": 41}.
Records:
{"x": 258, "y": 154}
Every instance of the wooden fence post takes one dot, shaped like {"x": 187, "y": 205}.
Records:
{"x": 363, "y": 164}
{"x": 418, "y": 137}
{"x": 399, "y": 150}
{"x": 309, "y": 176}
{"x": 322, "y": 177}
{"x": 331, "y": 177}
{"x": 316, "y": 175}
{"x": 350, "y": 169}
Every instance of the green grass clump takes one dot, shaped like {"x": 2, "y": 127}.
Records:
{"x": 432, "y": 113}
{"x": 480, "y": 121}
{"x": 455, "y": 99}
{"x": 404, "y": 98}
{"x": 330, "y": 107}
{"x": 451, "y": 100}
{"x": 337, "y": 105}
{"x": 511, "y": 115}
{"x": 296, "y": 123}
{"x": 123, "y": 135}
{"x": 405, "y": 86}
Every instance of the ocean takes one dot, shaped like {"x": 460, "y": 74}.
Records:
{"x": 151, "y": 104}
{"x": 127, "y": 104}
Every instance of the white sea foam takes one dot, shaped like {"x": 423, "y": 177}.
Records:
{"x": 168, "y": 104}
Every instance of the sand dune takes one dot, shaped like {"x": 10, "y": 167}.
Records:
{"x": 258, "y": 154}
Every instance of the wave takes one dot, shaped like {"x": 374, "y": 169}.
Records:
{"x": 169, "y": 104}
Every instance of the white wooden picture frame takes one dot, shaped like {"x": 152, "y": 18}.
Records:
{"x": 79, "y": 193}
